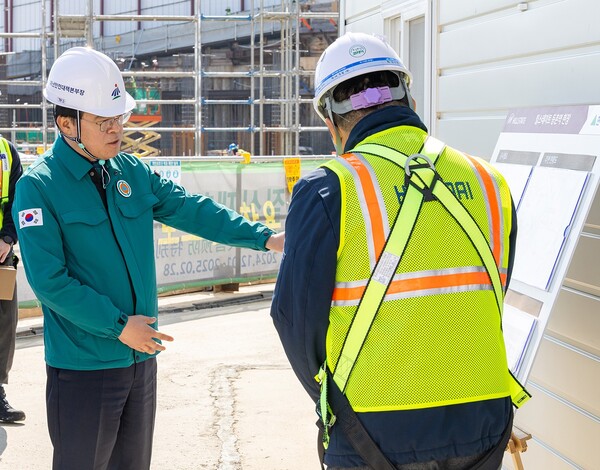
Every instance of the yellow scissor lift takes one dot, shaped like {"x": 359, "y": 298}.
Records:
{"x": 141, "y": 142}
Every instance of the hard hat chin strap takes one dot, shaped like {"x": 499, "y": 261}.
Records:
{"x": 337, "y": 139}
{"x": 80, "y": 144}
{"x": 409, "y": 98}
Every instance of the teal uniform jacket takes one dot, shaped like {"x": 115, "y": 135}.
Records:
{"x": 92, "y": 268}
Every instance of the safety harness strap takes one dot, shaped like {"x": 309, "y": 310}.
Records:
{"x": 427, "y": 185}
{"x": 388, "y": 262}
{"x": 333, "y": 405}
{"x": 353, "y": 429}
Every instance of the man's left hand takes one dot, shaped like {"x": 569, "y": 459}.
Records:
{"x": 275, "y": 242}
{"x": 4, "y": 250}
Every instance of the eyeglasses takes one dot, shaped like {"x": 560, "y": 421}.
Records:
{"x": 108, "y": 124}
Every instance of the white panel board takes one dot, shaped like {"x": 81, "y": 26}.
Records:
{"x": 471, "y": 134}
{"x": 545, "y": 219}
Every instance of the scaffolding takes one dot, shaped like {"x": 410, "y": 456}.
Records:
{"x": 271, "y": 111}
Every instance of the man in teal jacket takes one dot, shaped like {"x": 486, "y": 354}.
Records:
{"x": 85, "y": 216}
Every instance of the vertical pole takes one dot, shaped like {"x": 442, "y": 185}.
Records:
{"x": 283, "y": 80}
{"x": 252, "y": 82}
{"x": 89, "y": 30}
{"x": 44, "y": 38}
{"x": 10, "y": 25}
{"x": 6, "y": 41}
{"x": 298, "y": 77}
{"x": 198, "y": 80}
{"x": 261, "y": 92}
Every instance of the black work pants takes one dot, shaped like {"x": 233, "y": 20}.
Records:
{"x": 102, "y": 419}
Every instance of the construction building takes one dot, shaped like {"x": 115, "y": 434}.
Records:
{"x": 204, "y": 73}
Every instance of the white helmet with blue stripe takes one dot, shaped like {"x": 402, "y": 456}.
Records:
{"x": 87, "y": 80}
{"x": 349, "y": 56}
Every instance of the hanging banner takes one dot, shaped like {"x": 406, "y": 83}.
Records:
{"x": 292, "y": 172}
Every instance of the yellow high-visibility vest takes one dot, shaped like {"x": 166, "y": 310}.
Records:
{"x": 436, "y": 339}
{"x": 5, "y": 166}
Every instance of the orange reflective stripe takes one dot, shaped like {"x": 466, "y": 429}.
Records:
{"x": 348, "y": 293}
{"x": 370, "y": 193}
{"x": 437, "y": 281}
{"x": 494, "y": 208}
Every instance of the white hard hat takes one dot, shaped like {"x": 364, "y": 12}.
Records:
{"x": 351, "y": 55}
{"x": 89, "y": 81}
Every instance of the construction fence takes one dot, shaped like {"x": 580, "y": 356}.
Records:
{"x": 260, "y": 191}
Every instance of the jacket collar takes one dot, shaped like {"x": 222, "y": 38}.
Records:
{"x": 77, "y": 164}
{"x": 380, "y": 120}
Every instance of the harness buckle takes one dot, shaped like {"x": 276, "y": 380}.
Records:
{"x": 411, "y": 171}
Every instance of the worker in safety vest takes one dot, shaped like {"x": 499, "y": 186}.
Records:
{"x": 10, "y": 172}
{"x": 86, "y": 213}
{"x": 389, "y": 296}
{"x": 233, "y": 151}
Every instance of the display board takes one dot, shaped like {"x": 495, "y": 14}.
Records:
{"x": 550, "y": 158}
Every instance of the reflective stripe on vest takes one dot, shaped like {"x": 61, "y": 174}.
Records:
{"x": 494, "y": 208}
{"x": 5, "y": 166}
{"x": 371, "y": 203}
{"x": 414, "y": 284}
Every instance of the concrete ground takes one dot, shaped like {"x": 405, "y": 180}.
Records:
{"x": 227, "y": 396}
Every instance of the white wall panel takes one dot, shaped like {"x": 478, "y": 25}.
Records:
{"x": 372, "y": 23}
{"x": 584, "y": 266}
{"x": 560, "y": 370}
{"x": 576, "y": 319}
{"x": 520, "y": 34}
{"x": 566, "y": 81}
{"x": 457, "y": 11}
{"x": 538, "y": 457}
{"x": 559, "y": 426}
{"x": 356, "y": 9}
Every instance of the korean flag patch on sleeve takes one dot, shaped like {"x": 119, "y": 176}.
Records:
{"x": 30, "y": 218}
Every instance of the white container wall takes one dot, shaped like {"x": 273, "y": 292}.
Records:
{"x": 483, "y": 59}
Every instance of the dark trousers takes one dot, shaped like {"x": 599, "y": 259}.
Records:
{"x": 9, "y": 316}
{"x": 102, "y": 419}
{"x": 489, "y": 460}
{"x": 458, "y": 463}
